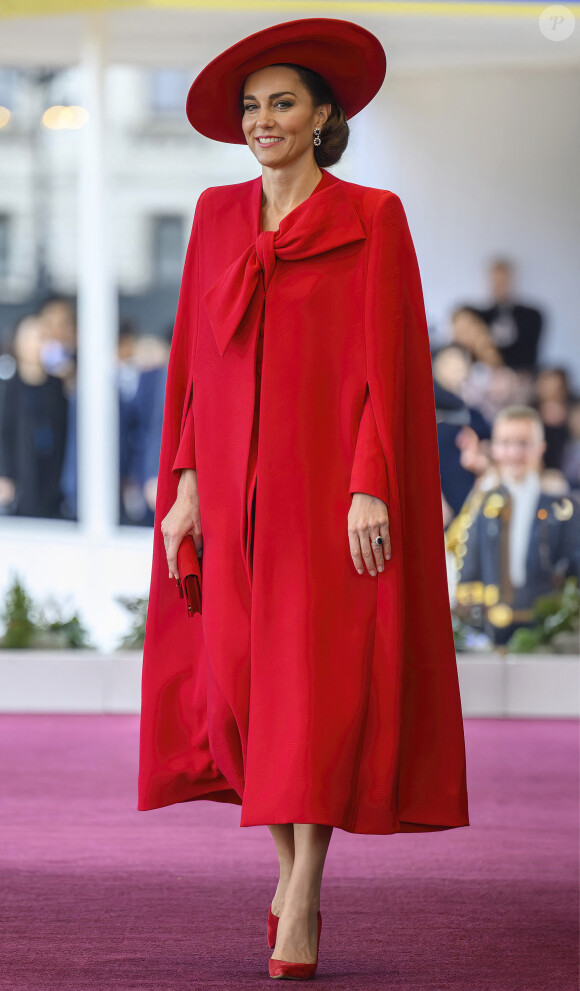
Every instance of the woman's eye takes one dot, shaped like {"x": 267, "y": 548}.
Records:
{"x": 279, "y": 103}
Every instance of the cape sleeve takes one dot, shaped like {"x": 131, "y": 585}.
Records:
{"x": 178, "y": 387}
{"x": 413, "y": 608}
{"x": 186, "y": 451}
{"x": 369, "y": 470}
{"x": 400, "y": 381}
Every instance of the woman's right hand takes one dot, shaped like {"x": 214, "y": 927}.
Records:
{"x": 183, "y": 518}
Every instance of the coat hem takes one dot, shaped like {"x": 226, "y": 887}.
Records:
{"x": 229, "y": 796}
{"x": 401, "y": 826}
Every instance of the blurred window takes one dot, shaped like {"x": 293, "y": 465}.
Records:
{"x": 38, "y": 264}
{"x": 168, "y": 90}
{"x": 168, "y": 249}
{"x": 8, "y": 84}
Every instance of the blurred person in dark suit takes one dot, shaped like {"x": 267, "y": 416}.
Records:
{"x": 451, "y": 365}
{"x": 153, "y": 356}
{"x": 33, "y": 420}
{"x": 517, "y": 536}
{"x": 59, "y": 357}
{"x": 515, "y": 329}
{"x": 142, "y": 418}
{"x": 130, "y": 501}
{"x": 153, "y": 441}
{"x": 59, "y": 345}
{"x": 69, "y": 473}
{"x": 571, "y": 453}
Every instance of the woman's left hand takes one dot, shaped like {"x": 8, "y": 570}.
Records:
{"x": 368, "y": 518}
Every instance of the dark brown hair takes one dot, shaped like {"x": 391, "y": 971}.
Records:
{"x": 335, "y": 132}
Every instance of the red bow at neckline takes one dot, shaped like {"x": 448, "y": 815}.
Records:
{"x": 324, "y": 221}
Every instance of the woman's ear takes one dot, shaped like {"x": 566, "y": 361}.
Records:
{"x": 324, "y": 112}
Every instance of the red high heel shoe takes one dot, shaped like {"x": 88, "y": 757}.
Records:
{"x": 293, "y": 969}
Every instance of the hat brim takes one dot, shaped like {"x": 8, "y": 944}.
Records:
{"x": 350, "y": 58}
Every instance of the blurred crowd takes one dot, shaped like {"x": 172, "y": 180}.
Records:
{"x": 492, "y": 362}
{"x": 509, "y": 448}
{"x": 38, "y": 416}
{"x": 508, "y": 432}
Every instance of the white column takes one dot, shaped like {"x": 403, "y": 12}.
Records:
{"x": 98, "y": 433}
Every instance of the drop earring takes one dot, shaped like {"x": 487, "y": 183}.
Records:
{"x": 317, "y": 138}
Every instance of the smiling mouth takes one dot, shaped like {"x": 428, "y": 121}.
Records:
{"x": 269, "y": 141}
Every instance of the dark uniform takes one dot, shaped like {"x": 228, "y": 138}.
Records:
{"x": 479, "y": 539}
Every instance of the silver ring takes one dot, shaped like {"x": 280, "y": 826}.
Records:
{"x": 377, "y": 540}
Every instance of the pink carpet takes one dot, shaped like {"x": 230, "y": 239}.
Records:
{"x": 96, "y": 895}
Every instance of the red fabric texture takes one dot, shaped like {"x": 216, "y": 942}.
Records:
{"x": 304, "y": 692}
{"x": 369, "y": 471}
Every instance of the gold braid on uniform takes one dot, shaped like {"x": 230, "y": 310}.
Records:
{"x": 456, "y": 532}
{"x": 467, "y": 593}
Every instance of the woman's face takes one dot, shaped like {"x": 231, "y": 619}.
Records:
{"x": 28, "y": 339}
{"x": 279, "y": 119}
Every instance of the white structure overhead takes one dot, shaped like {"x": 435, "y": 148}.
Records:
{"x": 421, "y": 37}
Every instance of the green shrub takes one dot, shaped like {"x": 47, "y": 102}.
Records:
{"x": 137, "y": 607}
{"x": 18, "y": 616}
{"x": 553, "y": 615}
{"x": 28, "y": 626}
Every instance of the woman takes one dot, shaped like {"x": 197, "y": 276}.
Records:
{"x": 318, "y": 687}
{"x": 33, "y": 421}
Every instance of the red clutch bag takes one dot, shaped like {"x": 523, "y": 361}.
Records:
{"x": 189, "y": 581}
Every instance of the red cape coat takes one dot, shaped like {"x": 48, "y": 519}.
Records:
{"x": 304, "y": 692}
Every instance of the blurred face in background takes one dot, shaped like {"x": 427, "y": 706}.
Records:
{"x": 451, "y": 368}
{"x": 517, "y": 447}
{"x": 59, "y": 324}
{"x": 60, "y": 339}
{"x": 126, "y": 346}
{"x": 472, "y": 333}
{"x": 552, "y": 394}
{"x": 501, "y": 282}
{"x": 28, "y": 341}
{"x": 551, "y": 386}
{"x": 506, "y": 386}
{"x": 574, "y": 421}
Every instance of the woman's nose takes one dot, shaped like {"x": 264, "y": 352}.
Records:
{"x": 264, "y": 119}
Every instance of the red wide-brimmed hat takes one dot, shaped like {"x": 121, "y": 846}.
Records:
{"x": 350, "y": 58}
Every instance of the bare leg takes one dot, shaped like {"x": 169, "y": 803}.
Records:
{"x": 283, "y": 834}
{"x": 298, "y": 927}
